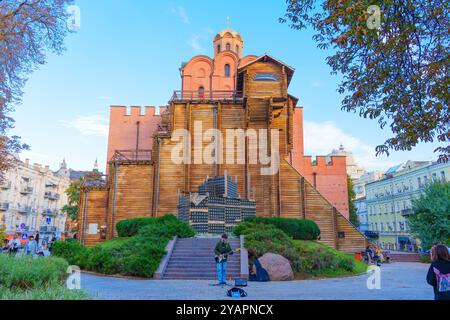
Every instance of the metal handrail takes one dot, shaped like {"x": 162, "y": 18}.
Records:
{"x": 182, "y": 95}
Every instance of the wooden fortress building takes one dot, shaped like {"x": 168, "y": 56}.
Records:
{"x": 227, "y": 92}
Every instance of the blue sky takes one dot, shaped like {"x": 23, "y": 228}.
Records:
{"x": 128, "y": 53}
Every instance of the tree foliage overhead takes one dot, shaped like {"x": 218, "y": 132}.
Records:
{"x": 430, "y": 220}
{"x": 396, "y": 71}
{"x": 27, "y": 29}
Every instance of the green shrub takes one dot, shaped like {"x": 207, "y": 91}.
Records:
{"x": 72, "y": 251}
{"x": 131, "y": 227}
{"x": 306, "y": 257}
{"x": 425, "y": 258}
{"x": 299, "y": 229}
{"x": 138, "y": 252}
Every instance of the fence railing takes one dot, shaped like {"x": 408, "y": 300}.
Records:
{"x": 132, "y": 155}
{"x": 215, "y": 95}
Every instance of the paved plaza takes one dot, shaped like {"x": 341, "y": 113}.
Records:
{"x": 399, "y": 281}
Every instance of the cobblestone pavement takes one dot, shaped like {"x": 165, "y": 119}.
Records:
{"x": 399, "y": 281}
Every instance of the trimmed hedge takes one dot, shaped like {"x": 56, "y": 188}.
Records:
{"x": 139, "y": 253}
{"x": 131, "y": 227}
{"x": 299, "y": 229}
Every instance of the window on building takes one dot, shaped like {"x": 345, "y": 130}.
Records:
{"x": 227, "y": 70}
{"x": 201, "y": 92}
{"x": 425, "y": 179}
{"x": 419, "y": 182}
{"x": 434, "y": 175}
{"x": 237, "y": 50}
{"x": 219, "y": 48}
{"x": 265, "y": 77}
{"x": 443, "y": 175}
{"x": 228, "y": 47}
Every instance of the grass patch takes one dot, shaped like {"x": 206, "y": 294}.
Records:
{"x": 27, "y": 278}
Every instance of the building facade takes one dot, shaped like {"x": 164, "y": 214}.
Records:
{"x": 359, "y": 186}
{"x": 245, "y": 97}
{"x": 352, "y": 167}
{"x": 31, "y": 199}
{"x": 389, "y": 201}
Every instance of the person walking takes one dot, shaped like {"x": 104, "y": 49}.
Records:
{"x": 31, "y": 247}
{"x": 222, "y": 251}
{"x": 438, "y": 275}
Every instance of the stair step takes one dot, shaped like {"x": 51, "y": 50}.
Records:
{"x": 194, "y": 259}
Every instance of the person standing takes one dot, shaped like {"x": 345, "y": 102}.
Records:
{"x": 37, "y": 238}
{"x": 439, "y": 273}
{"x": 31, "y": 247}
{"x": 14, "y": 244}
{"x": 222, "y": 251}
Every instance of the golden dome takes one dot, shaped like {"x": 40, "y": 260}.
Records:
{"x": 232, "y": 33}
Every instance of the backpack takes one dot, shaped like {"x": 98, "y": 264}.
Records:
{"x": 261, "y": 274}
{"x": 443, "y": 281}
{"x": 236, "y": 293}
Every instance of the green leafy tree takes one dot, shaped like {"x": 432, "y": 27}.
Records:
{"x": 430, "y": 220}
{"x": 73, "y": 195}
{"x": 74, "y": 190}
{"x": 351, "y": 202}
{"x": 394, "y": 56}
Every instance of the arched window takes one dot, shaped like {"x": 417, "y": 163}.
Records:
{"x": 227, "y": 71}
{"x": 219, "y": 48}
{"x": 228, "y": 47}
{"x": 237, "y": 49}
{"x": 201, "y": 92}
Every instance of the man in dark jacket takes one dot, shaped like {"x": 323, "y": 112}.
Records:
{"x": 440, "y": 269}
{"x": 222, "y": 251}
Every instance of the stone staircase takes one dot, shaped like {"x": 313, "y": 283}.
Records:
{"x": 193, "y": 259}
{"x": 404, "y": 257}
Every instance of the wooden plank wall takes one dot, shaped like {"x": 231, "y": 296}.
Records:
{"x": 133, "y": 194}
{"x": 96, "y": 211}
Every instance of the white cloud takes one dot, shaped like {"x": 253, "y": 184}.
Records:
{"x": 322, "y": 137}
{"x": 194, "y": 43}
{"x": 105, "y": 98}
{"x": 94, "y": 125}
{"x": 181, "y": 13}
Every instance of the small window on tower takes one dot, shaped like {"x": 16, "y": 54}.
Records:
{"x": 228, "y": 47}
{"x": 219, "y": 48}
{"x": 227, "y": 70}
{"x": 201, "y": 92}
{"x": 237, "y": 49}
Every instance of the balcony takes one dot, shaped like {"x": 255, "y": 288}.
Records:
{"x": 44, "y": 229}
{"x": 218, "y": 95}
{"x": 23, "y": 209}
{"x": 4, "y": 206}
{"x": 51, "y": 196}
{"x": 50, "y": 212}
{"x": 406, "y": 212}
{"x": 26, "y": 190}
{"x": 372, "y": 234}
